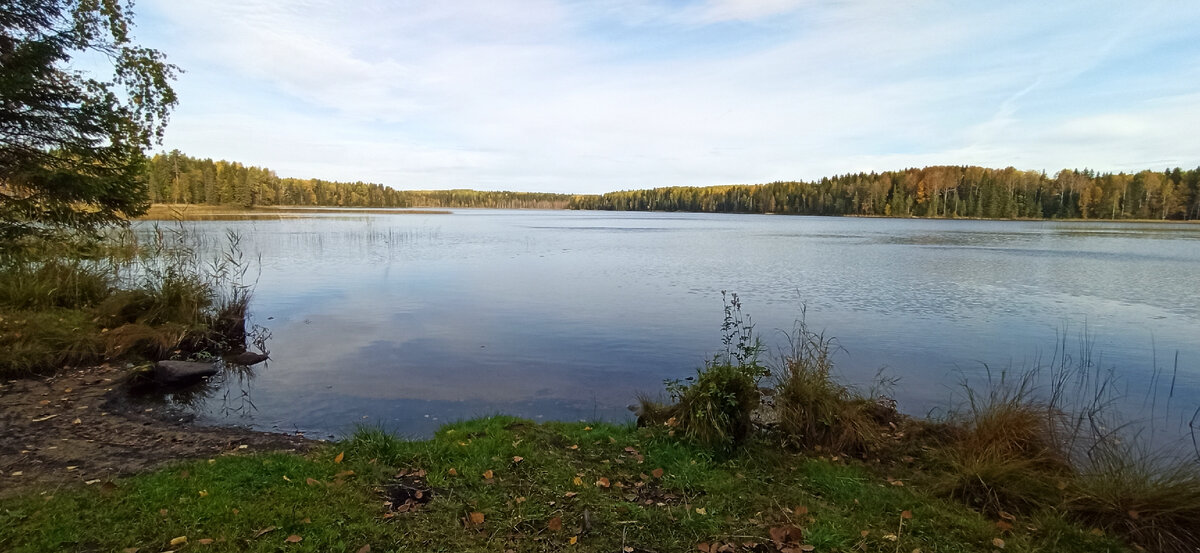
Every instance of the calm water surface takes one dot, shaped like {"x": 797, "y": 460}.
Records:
{"x": 409, "y": 321}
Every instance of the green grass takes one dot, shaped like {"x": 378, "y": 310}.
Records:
{"x": 838, "y": 505}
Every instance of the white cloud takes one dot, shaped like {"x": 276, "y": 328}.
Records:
{"x": 582, "y": 97}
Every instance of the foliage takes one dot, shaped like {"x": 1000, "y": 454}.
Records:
{"x": 176, "y": 178}
{"x": 72, "y": 154}
{"x": 716, "y": 406}
{"x": 937, "y": 191}
{"x": 502, "y": 484}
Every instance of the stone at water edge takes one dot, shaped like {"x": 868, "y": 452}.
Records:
{"x": 247, "y": 358}
{"x": 181, "y": 372}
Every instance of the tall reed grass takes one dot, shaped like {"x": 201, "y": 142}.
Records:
{"x": 152, "y": 295}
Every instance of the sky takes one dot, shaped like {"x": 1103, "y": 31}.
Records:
{"x": 593, "y": 96}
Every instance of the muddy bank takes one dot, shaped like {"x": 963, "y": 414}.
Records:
{"x": 80, "y": 426}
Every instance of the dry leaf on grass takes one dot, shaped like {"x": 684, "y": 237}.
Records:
{"x": 554, "y": 524}
{"x": 293, "y": 539}
{"x": 339, "y": 457}
{"x": 476, "y": 518}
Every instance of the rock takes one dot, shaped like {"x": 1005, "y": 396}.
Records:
{"x": 246, "y": 358}
{"x": 174, "y": 373}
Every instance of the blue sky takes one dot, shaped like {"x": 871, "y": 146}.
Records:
{"x": 574, "y": 96}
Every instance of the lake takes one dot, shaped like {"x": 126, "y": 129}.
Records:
{"x": 408, "y": 321}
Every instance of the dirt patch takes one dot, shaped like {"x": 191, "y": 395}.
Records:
{"x": 407, "y": 492}
{"x": 79, "y": 426}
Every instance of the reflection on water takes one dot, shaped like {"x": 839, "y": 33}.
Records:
{"x": 410, "y": 321}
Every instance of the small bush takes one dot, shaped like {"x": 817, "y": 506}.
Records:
{"x": 715, "y": 407}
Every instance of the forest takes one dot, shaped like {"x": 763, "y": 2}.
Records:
{"x": 177, "y": 178}
{"x": 939, "y": 191}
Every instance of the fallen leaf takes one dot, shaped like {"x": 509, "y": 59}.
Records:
{"x": 806, "y": 548}
{"x": 554, "y": 524}
{"x": 998, "y": 542}
{"x": 517, "y": 459}
{"x": 1003, "y": 526}
{"x": 131, "y": 550}
{"x": 364, "y": 549}
{"x": 179, "y": 541}
{"x": 627, "y": 549}
{"x": 701, "y": 511}
{"x": 569, "y": 495}
{"x": 578, "y": 481}
{"x": 602, "y": 482}
{"x": 204, "y": 541}
{"x": 865, "y": 533}
{"x": 574, "y": 446}
{"x": 573, "y": 540}
{"x": 203, "y": 493}
{"x": 77, "y": 421}
{"x": 657, "y": 473}
{"x": 1007, "y": 516}
{"x": 286, "y": 478}
{"x": 801, "y": 511}
{"x": 704, "y": 547}
{"x": 897, "y": 483}
{"x": 890, "y": 537}
{"x": 488, "y": 474}
{"x": 306, "y": 520}
{"x": 311, "y": 481}
{"x": 476, "y": 517}
{"x": 293, "y": 539}
{"x": 520, "y": 500}
{"x": 1133, "y": 514}
{"x": 339, "y": 457}
{"x": 783, "y": 535}
{"x": 906, "y": 515}
{"x": 264, "y": 531}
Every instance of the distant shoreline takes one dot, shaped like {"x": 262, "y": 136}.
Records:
{"x": 171, "y": 212}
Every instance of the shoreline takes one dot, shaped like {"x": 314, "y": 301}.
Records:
{"x": 81, "y": 426}
{"x": 204, "y": 212}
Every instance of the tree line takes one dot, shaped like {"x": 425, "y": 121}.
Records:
{"x": 938, "y": 191}
{"x": 173, "y": 177}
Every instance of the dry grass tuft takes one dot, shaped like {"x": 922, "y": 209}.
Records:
{"x": 814, "y": 410}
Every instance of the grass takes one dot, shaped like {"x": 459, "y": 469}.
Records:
{"x": 82, "y": 302}
{"x": 501, "y": 484}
